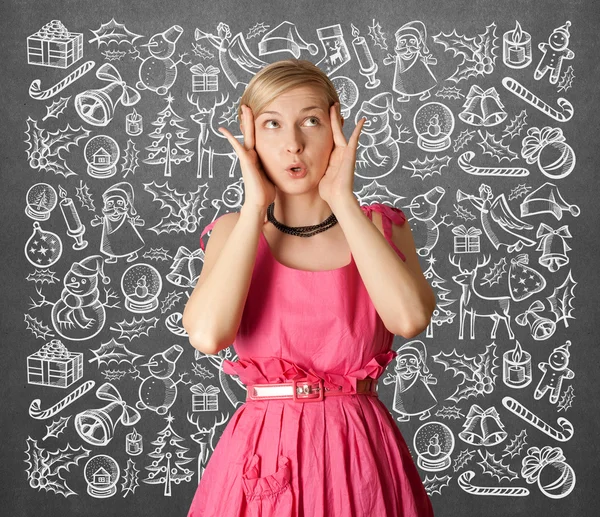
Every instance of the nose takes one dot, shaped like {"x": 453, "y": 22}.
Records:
{"x": 295, "y": 142}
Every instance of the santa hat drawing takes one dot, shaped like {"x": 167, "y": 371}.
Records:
{"x": 379, "y": 105}
{"x": 547, "y": 199}
{"x": 285, "y": 38}
{"x": 417, "y": 29}
{"x": 89, "y": 267}
{"x": 416, "y": 348}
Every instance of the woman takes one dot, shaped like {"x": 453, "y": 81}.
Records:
{"x": 309, "y": 324}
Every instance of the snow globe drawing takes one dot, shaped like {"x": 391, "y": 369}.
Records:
{"x": 102, "y": 474}
{"x": 434, "y": 123}
{"x": 434, "y": 443}
{"x": 101, "y": 153}
{"x": 141, "y": 284}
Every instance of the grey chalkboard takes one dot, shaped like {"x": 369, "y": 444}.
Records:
{"x": 484, "y": 134}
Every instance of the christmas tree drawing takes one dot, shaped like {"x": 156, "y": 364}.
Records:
{"x": 169, "y": 459}
{"x": 169, "y": 140}
{"x": 440, "y": 315}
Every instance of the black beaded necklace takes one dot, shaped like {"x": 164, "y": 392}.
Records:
{"x": 300, "y": 231}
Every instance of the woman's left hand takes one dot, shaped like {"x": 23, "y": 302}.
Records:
{"x": 338, "y": 181}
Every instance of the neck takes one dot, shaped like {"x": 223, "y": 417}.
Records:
{"x": 305, "y": 209}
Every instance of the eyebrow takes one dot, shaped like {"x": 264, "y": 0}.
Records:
{"x": 308, "y": 108}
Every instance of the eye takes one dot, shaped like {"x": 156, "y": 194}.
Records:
{"x": 314, "y": 118}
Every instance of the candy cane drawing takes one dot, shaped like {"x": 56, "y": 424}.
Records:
{"x": 464, "y": 162}
{"x": 36, "y": 412}
{"x": 36, "y": 92}
{"x": 521, "y": 411}
{"x": 465, "y": 477}
{"x": 513, "y": 86}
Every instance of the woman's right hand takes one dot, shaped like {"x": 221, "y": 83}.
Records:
{"x": 259, "y": 190}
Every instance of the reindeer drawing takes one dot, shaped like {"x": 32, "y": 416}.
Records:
{"x": 475, "y": 304}
{"x": 207, "y": 157}
{"x": 204, "y": 437}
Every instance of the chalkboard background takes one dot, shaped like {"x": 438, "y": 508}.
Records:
{"x": 45, "y": 149}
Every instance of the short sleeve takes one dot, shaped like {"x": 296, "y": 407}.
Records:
{"x": 389, "y": 215}
{"x": 208, "y": 228}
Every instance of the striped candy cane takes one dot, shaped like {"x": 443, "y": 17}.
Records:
{"x": 36, "y": 92}
{"x": 35, "y": 410}
{"x": 521, "y": 411}
{"x": 514, "y": 86}
{"x": 465, "y": 477}
{"x": 464, "y": 163}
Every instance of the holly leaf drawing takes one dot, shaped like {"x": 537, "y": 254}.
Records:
{"x": 435, "y": 484}
{"x": 44, "y": 471}
{"x": 44, "y": 147}
{"x": 566, "y": 400}
{"x": 112, "y": 351}
{"x": 463, "y": 213}
{"x": 157, "y": 254}
{"x": 561, "y": 299}
{"x": 449, "y": 92}
{"x": 518, "y": 191}
{"x": 170, "y": 301}
{"x": 496, "y": 148}
{"x": 427, "y": 167}
{"x": 478, "y": 373}
{"x": 130, "y": 478}
{"x": 130, "y": 158}
{"x": 376, "y": 193}
{"x": 38, "y": 328}
{"x": 184, "y": 208}
{"x": 495, "y": 273}
{"x": 463, "y": 139}
{"x": 495, "y": 468}
{"x": 84, "y": 196}
{"x": 377, "y": 35}
{"x": 113, "y": 31}
{"x": 477, "y": 53}
{"x": 56, "y": 427}
{"x": 515, "y": 126}
{"x": 516, "y": 444}
{"x": 56, "y": 108}
{"x": 449, "y": 412}
{"x": 566, "y": 81}
{"x": 462, "y": 459}
{"x": 134, "y": 328}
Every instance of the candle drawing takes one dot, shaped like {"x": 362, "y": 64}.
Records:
{"x": 133, "y": 443}
{"x": 133, "y": 123}
{"x": 74, "y": 227}
{"x": 516, "y": 46}
{"x": 368, "y": 67}
{"x": 516, "y": 367}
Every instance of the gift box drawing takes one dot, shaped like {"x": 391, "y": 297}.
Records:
{"x": 466, "y": 241}
{"x": 205, "y": 398}
{"x": 204, "y": 79}
{"x": 54, "y": 365}
{"x": 53, "y": 45}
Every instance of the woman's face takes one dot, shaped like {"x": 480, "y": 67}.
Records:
{"x": 295, "y": 127}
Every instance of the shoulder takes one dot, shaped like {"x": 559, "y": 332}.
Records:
{"x": 384, "y": 215}
{"x": 221, "y": 227}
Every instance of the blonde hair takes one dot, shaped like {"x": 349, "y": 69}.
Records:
{"x": 280, "y": 76}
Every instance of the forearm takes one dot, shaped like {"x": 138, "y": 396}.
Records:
{"x": 215, "y": 309}
{"x": 403, "y": 299}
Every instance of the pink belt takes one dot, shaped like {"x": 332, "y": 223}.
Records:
{"x": 307, "y": 391}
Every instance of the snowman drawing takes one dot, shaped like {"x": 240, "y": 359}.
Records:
{"x": 158, "y": 72}
{"x": 79, "y": 314}
{"x": 158, "y": 392}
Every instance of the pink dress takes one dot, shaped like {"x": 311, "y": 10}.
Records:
{"x": 340, "y": 457}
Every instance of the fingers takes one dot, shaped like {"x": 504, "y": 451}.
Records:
{"x": 240, "y": 151}
{"x": 353, "y": 142}
{"x": 336, "y": 127}
{"x": 248, "y": 118}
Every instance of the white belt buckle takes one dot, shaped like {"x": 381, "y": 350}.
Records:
{"x": 304, "y": 391}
